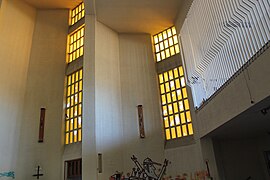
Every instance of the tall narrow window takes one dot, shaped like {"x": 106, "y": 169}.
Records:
{"x": 74, "y": 84}
{"x": 73, "y": 127}
{"x": 75, "y": 44}
{"x": 76, "y": 14}
{"x": 175, "y": 105}
{"x": 166, "y": 44}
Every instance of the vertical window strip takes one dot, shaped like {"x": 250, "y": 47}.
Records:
{"x": 175, "y": 105}
{"x": 73, "y": 125}
{"x": 75, "y": 44}
{"x": 166, "y": 44}
{"x": 76, "y": 14}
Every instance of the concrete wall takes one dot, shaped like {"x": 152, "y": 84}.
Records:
{"x": 139, "y": 87}
{"x": 17, "y": 21}
{"x": 44, "y": 88}
{"x": 109, "y": 123}
{"x": 242, "y": 158}
{"x": 89, "y": 152}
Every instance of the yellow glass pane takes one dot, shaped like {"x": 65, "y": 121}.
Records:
{"x": 67, "y": 136}
{"x": 184, "y": 129}
{"x": 79, "y": 122}
{"x": 177, "y": 49}
{"x": 166, "y": 43}
{"x": 75, "y": 123}
{"x": 190, "y": 129}
{"x": 67, "y": 126}
{"x": 169, "y": 100}
{"x": 179, "y": 94}
{"x": 181, "y": 106}
{"x": 80, "y": 135}
{"x": 67, "y": 113}
{"x": 71, "y": 100}
{"x": 158, "y": 57}
{"x": 169, "y": 32}
{"x": 75, "y": 136}
{"x": 80, "y": 85}
{"x": 170, "y": 109}
{"x": 172, "y": 85}
{"x": 167, "y": 53}
{"x": 188, "y": 116}
{"x": 173, "y": 133}
{"x": 160, "y": 37}
{"x": 181, "y": 72}
{"x": 175, "y": 107}
{"x": 171, "y": 121}
{"x": 184, "y": 91}
{"x": 172, "y": 50}
{"x": 166, "y": 122}
{"x": 71, "y": 137}
{"x": 165, "y": 112}
{"x": 157, "y": 48}
{"x": 183, "y": 118}
{"x": 71, "y": 112}
{"x": 160, "y": 78}
{"x": 80, "y": 97}
{"x": 71, "y": 124}
{"x": 174, "y": 96}
{"x": 177, "y": 119}
{"x": 173, "y": 30}
{"x": 166, "y": 77}
{"x": 161, "y": 46}
{"x": 79, "y": 109}
{"x": 82, "y": 43}
{"x": 177, "y": 83}
{"x": 175, "y": 39}
{"x": 76, "y": 86}
{"x": 163, "y": 100}
{"x": 167, "y": 86}
{"x": 68, "y": 102}
{"x": 81, "y": 74}
{"x": 78, "y": 53}
{"x": 179, "y": 133}
{"x": 171, "y": 42}
{"x": 175, "y": 71}
{"x": 168, "y": 135}
{"x": 156, "y": 39}
{"x": 183, "y": 83}
{"x": 72, "y": 89}
{"x": 82, "y": 31}
{"x": 186, "y": 104}
{"x": 81, "y": 51}
{"x": 162, "y": 91}
{"x": 164, "y": 35}
{"x": 71, "y": 39}
{"x": 170, "y": 74}
{"x": 68, "y": 91}
{"x": 70, "y": 48}
{"x": 163, "y": 55}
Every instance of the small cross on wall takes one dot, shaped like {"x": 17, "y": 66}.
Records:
{"x": 38, "y": 174}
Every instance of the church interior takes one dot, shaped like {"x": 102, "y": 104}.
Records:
{"x": 135, "y": 89}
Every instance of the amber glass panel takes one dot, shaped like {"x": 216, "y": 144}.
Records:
{"x": 175, "y": 105}
{"x": 166, "y": 44}
{"x": 74, "y": 107}
{"x": 75, "y": 44}
{"x": 76, "y": 14}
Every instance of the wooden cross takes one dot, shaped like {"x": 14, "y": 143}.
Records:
{"x": 38, "y": 173}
